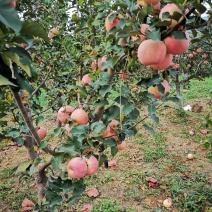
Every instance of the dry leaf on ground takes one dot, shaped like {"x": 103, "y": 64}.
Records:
{"x": 87, "y": 207}
{"x": 92, "y": 192}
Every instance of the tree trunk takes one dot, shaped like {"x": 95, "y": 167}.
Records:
{"x": 177, "y": 83}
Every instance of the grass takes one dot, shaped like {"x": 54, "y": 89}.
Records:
{"x": 199, "y": 89}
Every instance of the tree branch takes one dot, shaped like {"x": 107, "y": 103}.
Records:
{"x": 28, "y": 121}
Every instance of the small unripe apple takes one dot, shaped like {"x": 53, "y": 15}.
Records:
{"x": 92, "y": 165}
{"x": 122, "y": 145}
{"x": 205, "y": 62}
{"x": 42, "y": 133}
{"x": 77, "y": 168}
{"x": 79, "y": 117}
{"x": 190, "y": 156}
{"x": 167, "y": 203}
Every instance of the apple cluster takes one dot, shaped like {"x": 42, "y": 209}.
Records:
{"x": 79, "y": 167}
{"x": 157, "y": 54}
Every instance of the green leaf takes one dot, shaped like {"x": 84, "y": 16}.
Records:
{"x": 67, "y": 148}
{"x": 111, "y": 142}
{"x": 5, "y": 81}
{"x": 121, "y": 100}
{"x": 134, "y": 114}
{"x": 23, "y": 166}
{"x": 200, "y": 8}
{"x": 54, "y": 164}
{"x": 154, "y": 117}
{"x": 127, "y": 109}
{"x": 81, "y": 129}
{"x": 150, "y": 129}
{"x": 55, "y": 200}
{"x": 16, "y": 59}
{"x": 39, "y": 119}
{"x": 32, "y": 28}
{"x": 56, "y": 132}
{"x": 151, "y": 109}
{"x": 154, "y": 35}
{"x": 179, "y": 35}
{"x": 105, "y": 89}
{"x": 9, "y": 16}
{"x": 114, "y": 150}
{"x": 42, "y": 144}
{"x": 97, "y": 127}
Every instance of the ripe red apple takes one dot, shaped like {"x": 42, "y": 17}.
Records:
{"x": 86, "y": 80}
{"x": 53, "y": 32}
{"x": 175, "y": 46}
{"x": 190, "y": 55}
{"x": 164, "y": 64}
{"x": 205, "y": 62}
{"x": 143, "y": 28}
{"x": 167, "y": 203}
{"x": 113, "y": 124}
{"x": 64, "y": 112}
{"x": 92, "y": 165}
{"x": 108, "y": 132}
{"x": 124, "y": 76}
{"x": 79, "y": 117}
{"x": 110, "y": 24}
{"x": 199, "y": 50}
{"x": 171, "y": 8}
{"x": 204, "y": 56}
{"x": 153, "y": 2}
{"x": 133, "y": 90}
{"x": 42, "y": 133}
{"x": 154, "y": 89}
{"x": 77, "y": 168}
{"x": 122, "y": 145}
{"x": 151, "y": 52}
{"x": 12, "y": 3}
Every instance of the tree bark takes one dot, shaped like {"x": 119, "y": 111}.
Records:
{"x": 28, "y": 121}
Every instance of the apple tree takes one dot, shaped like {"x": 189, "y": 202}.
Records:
{"x": 95, "y": 65}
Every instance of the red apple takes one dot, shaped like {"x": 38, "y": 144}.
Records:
{"x": 92, "y": 165}
{"x": 79, "y": 117}
{"x": 42, "y": 133}
{"x": 151, "y": 52}
{"x": 12, "y": 3}
{"x": 77, "y": 168}
{"x": 53, "y": 32}
{"x": 64, "y": 112}
{"x": 122, "y": 145}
